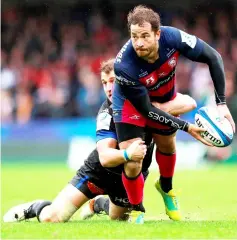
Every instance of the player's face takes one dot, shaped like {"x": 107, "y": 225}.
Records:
{"x": 145, "y": 40}
{"x": 107, "y": 80}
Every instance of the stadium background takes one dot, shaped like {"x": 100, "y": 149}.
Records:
{"x": 51, "y": 92}
{"x": 50, "y": 58}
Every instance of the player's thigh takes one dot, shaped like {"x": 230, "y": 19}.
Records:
{"x": 117, "y": 212}
{"x": 70, "y": 194}
{"x": 128, "y": 133}
{"x": 165, "y": 143}
{"x": 64, "y": 205}
{"x": 80, "y": 189}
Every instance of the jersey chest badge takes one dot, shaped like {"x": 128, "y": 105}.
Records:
{"x": 172, "y": 62}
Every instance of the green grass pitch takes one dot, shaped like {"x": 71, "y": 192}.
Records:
{"x": 208, "y": 198}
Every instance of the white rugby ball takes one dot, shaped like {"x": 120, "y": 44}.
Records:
{"x": 219, "y": 132}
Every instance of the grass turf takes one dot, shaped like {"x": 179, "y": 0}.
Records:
{"x": 208, "y": 198}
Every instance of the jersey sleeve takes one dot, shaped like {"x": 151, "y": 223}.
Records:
{"x": 188, "y": 45}
{"x": 104, "y": 126}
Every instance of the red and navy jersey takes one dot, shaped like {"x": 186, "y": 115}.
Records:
{"x": 156, "y": 79}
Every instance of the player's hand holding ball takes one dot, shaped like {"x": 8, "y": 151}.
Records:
{"x": 219, "y": 130}
{"x": 224, "y": 112}
{"x": 137, "y": 151}
{"x": 197, "y": 132}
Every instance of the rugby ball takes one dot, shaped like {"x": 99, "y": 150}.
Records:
{"x": 219, "y": 131}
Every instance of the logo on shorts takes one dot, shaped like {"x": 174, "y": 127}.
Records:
{"x": 121, "y": 200}
{"x": 94, "y": 189}
{"x": 135, "y": 117}
{"x": 172, "y": 62}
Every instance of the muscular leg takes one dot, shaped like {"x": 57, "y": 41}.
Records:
{"x": 166, "y": 159}
{"x": 132, "y": 178}
{"x": 68, "y": 201}
{"x": 131, "y": 168}
{"x": 60, "y": 210}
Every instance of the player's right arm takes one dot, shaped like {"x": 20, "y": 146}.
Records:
{"x": 112, "y": 157}
{"x": 137, "y": 94}
{"x": 106, "y": 139}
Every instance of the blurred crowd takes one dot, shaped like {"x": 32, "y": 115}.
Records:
{"x": 50, "y": 59}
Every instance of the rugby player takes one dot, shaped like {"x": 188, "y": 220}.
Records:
{"x": 101, "y": 172}
{"x": 145, "y": 72}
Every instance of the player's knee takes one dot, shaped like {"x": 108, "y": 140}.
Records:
{"x": 132, "y": 169}
{"x": 167, "y": 149}
{"x": 168, "y": 146}
{"x": 57, "y": 214}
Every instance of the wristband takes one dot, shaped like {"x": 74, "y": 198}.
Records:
{"x": 125, "y": 155}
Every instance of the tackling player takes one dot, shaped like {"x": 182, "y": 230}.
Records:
{"x": 145, "y": 72}
{"x": 99, "y": 174}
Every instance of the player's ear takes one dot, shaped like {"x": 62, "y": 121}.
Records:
{"x": 158, "y": 34}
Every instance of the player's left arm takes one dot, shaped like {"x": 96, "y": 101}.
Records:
{"x": 179, "y": 105}
{"x": 214, "y": 60}
{"x": 199, "y": 51}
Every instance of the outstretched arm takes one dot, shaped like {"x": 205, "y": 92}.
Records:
{"x": 199, "y": 51}
{"x": 214, "y": 60}
{"x": 139, "y": 98}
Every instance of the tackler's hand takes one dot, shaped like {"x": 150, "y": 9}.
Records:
{"x": 137, "y": 151}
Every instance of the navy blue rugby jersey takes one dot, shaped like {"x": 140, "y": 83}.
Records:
{"x": 156, "y": 79}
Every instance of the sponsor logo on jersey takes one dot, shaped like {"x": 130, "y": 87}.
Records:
{"x": 170, "y": 52}
{"x": 123, "y": 81}
{"x": 150, "y": 81}
{"x": 162, "y": 74}
{"x": 163, "y": 81}
{"x": 135, "y": 117}
{"x": 163, "y": 119}
{"x": 143, "y": 74}
{"x": 116, "y": 112}
{"x": 120, "y": 54}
